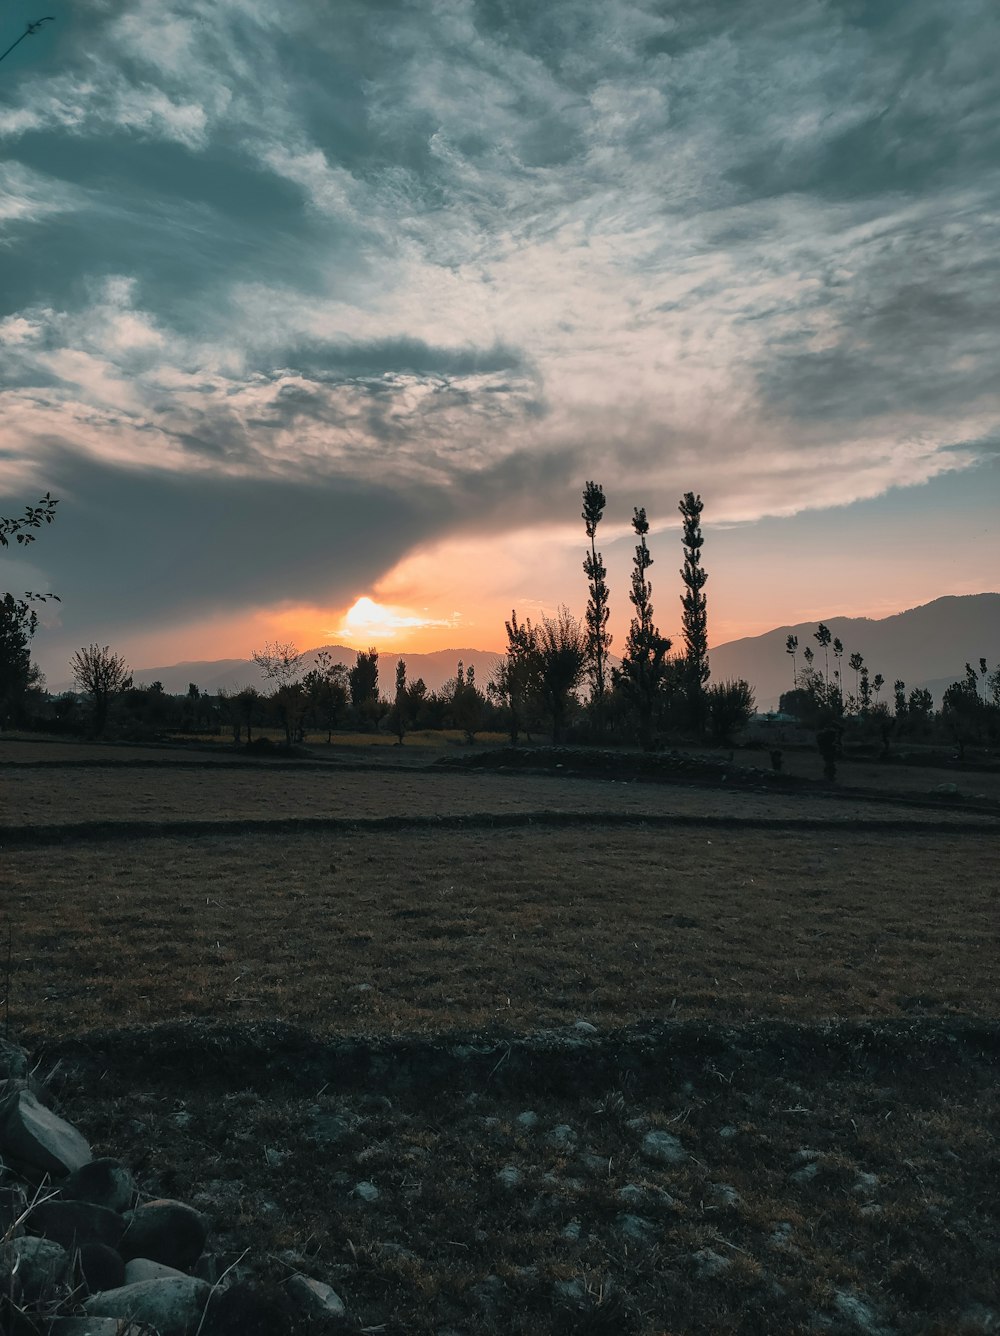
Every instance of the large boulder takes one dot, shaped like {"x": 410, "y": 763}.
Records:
{"x": 104, "y": 1182}
{"x": 74, "y": 1223}
{"x": 165, "y": 1231}
{"x": 38, "y": 1268}
{"x": 314, "y": 1297}
{"x": 101, "y": 1267}
{"x": 173, "y": 1306}
{"x": 141, "y": 1268}
{"x": 33, "y": 1134}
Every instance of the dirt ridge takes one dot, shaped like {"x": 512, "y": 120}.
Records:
{"x": 640, "y": 1056}
{"x": 26, "y": 836}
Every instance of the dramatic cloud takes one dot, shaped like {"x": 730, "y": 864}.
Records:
{"x": 287, "y": 295}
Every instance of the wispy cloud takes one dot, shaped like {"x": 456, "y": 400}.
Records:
{"x": 470, "y": 253}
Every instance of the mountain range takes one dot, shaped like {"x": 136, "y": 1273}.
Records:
{"x": 927, "y": 646}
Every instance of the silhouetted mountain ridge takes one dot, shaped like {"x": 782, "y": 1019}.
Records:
{"x": 927, "y": 646}
{"x": 231, "y": 674}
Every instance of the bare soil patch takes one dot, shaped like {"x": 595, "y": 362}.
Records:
{"x": 834, "y": 1180}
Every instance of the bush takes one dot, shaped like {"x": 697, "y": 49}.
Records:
{"x": 730, "y": 708}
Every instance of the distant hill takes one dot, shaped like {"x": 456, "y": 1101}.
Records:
{"x": 926, "y": 646}
{"x": 231, "y": 674}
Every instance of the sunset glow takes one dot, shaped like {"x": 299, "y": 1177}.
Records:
{"x": 367, "y": 620}
{"x": 336, "y": 367}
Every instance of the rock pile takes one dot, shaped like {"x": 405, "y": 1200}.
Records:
{"x": 81, "y": 1249}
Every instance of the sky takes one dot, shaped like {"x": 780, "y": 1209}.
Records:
{"x": 317, "y": 317}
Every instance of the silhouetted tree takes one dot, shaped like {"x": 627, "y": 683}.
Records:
{"x": 102, "y": 676}
{"x": 865, "y": 694}
{"x": 823, "y": 637}
{"x": 561, "y": 654}
{"x": 18, "y": 619}
{"x": 515, "y": 677}
{"x": 416, "y": 698}
{"x": 17, "y": 625}
{"x": 280, "y": 664}
{"x": 467, "y": 702}
{"x": 920, "y": 705}
{"x": 644, "y": 667}
{"x": 326, "y": 691}
{"x": 363, "y": 677}
{"x": 399, "y": 714}
{"x": 730, "y": 708}
{"x": 694, "y": 615}
{"x": 899, "y": 699}
{"x": 20, "y": 527}
{"x": 792, "y": 648}
{"x": 247, "y": 704}
{"x": 32, "y": 27}
{"x": 598, "y": 612}
{"x": 857, "y": 663}
{"x": 962, "y": 711}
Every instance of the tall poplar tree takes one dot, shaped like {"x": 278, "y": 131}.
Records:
{"x": 598, "y": 612}
{"x": 694, "y": 617}
{"x": 644, "y": 665}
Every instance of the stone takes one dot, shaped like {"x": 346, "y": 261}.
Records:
{"x": 636, "y": 1228}
{"x": 528, "y": 1120}
{"x": 663, "y": 1148}
{"x": 725, "y": 1194}
{"x": 570, "y": 1291}
{"x": 102, "y": 1267}
{"x": 856, "y": 1311}
{"x": 74, "y": 1223}
{"x": 315, "y": 1298}
{"x": 366, "y": 1191}
{"x": 103, "y": 1182}
{"x": 165, "y": 1231}
{"x": 39, "y": 1267}
{"x": 563, "y": 1137}
{"x": 173, "y": 1306}
{"x": 509, "y": 1176}
{"x": 141, "y": 1268}
{"x": 709, "y": 1264}
{"x": 34, "y": 1134}
{"x": 329, "y": 1128}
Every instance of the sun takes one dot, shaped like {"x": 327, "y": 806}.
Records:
{"x": 365, "y": 620}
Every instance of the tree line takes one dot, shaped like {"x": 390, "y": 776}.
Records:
{"x": 557, "y": 677}
{"x": 824, "y": 700}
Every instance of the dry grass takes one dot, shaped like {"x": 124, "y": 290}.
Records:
{"x": 498, "y": 932}
{"x": 509, "y": 929}
{"x": 176, "y": 786}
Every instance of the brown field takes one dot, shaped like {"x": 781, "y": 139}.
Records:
{"x": 508, "y": 929}
{"x": 749, "y": 941}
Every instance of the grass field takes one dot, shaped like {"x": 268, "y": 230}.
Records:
{"x": 818, "y": 971}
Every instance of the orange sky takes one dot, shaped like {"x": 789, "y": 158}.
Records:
{"x": 871, "y": 560}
